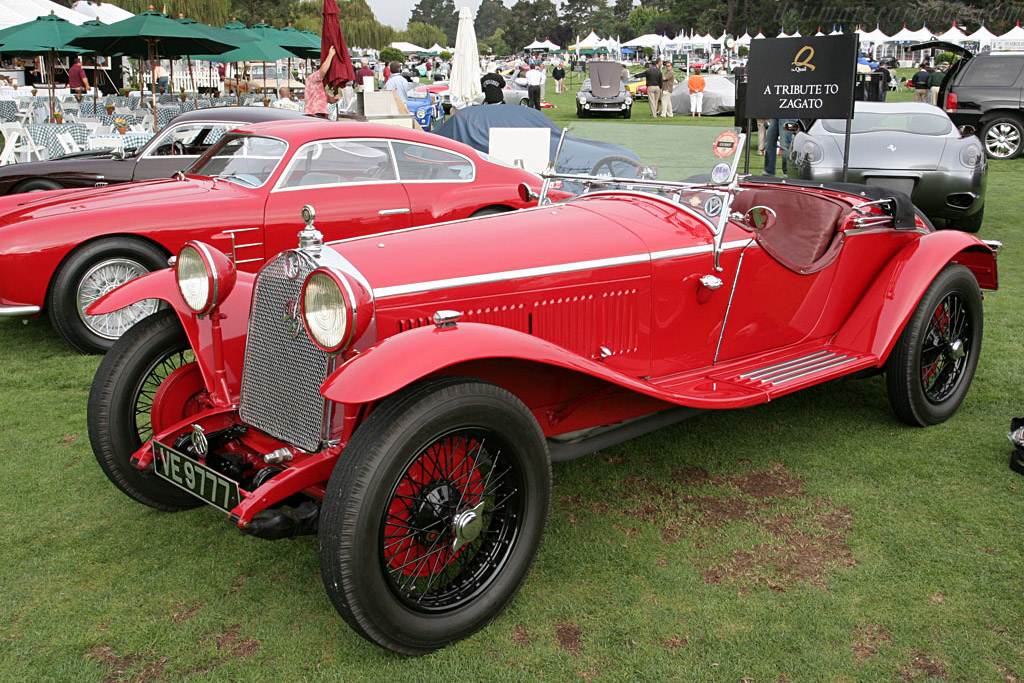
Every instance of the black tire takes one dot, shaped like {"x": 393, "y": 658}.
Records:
{"x": 971, "y": 223}
{"x": 365, "y": 499}
{"x": 127, "y": 377}
{"x": 87, "y": 274}
{"x": 627, "y": 112}
{"x": 37, "y": 185}
{"x": 525, "y": 102}
{"x": 581, "y": 112}
{"x": 931, "y": 367}
{"x": 1003, "y": 137}
{"x": 491, "y": 210}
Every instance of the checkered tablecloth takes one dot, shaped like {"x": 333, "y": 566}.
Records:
{"x": 45, "y": 135}
{"x": 8, "y": 110}
{"x": 164, "y": 114}
{"x": 128, "y": 140}
{"x": 129, "y": 119}
{"x": 116, "y": 100}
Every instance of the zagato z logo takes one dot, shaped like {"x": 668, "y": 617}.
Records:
{"x": 802, "y": 61}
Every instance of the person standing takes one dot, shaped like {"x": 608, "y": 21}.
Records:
{"x": 534, "y": 79}
{"x": 77, "y": 80}
{"x": 398, "y": 82}
{"x": 654, "y": 79}
{"x": 935, "y": 83}
{"x": 162, "y": 78}
{"x": 558, "y": 73}
{"x": 316, "y": 94}
{"x": 696, "y": 85}
{"x": 920, "y": 83}
{"x": 884, "y": 78}
{"x": 778, "y": 138}
{"x": 492, "y": 83}
{"x": 364, "y": 71}
{"x": 762, "y": 134}
{"x": 668, "y": 82}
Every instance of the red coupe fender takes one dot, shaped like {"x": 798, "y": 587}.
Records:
{"x": 234, "y": 320}
{"x": 407, "y": 357}
{"x": 878, "y": 320}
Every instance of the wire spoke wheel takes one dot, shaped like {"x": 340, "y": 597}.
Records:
{"x": 947, "y": 346}
{"x": 451, "y": 520}
{"x": 103, "y": 278}
{"x": 150, "y": 384}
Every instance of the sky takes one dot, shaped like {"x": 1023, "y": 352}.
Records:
{"x": 396, "y": 12}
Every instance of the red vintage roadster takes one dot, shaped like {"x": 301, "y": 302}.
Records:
{"x": 60, "y": 251}
{"x": 402, "y": 395}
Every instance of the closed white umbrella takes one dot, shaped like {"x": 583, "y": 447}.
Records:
{"x": 465, "y": 83}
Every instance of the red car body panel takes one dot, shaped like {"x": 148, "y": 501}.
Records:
{"x": 39, "y": 231}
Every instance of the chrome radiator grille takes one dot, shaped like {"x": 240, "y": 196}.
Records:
{"x": 283, "y": 369}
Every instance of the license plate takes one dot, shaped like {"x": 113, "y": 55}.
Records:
{"x": 197, "y": 479}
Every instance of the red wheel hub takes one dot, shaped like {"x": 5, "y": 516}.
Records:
{"x": 177, "y": 397}
{"x": 442, "y": 482}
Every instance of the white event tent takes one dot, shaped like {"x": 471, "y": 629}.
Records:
{"x": 407, "y": 48}
{"x": 102, "y": 11}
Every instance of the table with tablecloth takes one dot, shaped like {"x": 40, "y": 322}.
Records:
{"x": 111, "y": 119}
{"x": 129, "y": 140}
{"x": 8, "y": 110}
{"x": 45, "y": 135}
{"x": 164, "y": 114}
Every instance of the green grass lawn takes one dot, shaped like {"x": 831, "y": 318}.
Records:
{"x": 814, "y": 538}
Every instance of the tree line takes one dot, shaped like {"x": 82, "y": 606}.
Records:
{"x": 502, "y": 29}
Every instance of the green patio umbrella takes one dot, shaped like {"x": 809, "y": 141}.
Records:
{"x": 254, "y": 50}
{"x": 230, "y": 36}
{"x": 46, "y": 35}
{"x": 151, "y": 34}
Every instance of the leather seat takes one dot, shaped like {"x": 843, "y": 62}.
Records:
{"x": 803, "y": 238}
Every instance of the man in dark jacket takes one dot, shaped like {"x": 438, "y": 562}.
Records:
{"x": 492, "y": 84}
{"x": 935, "y": 82}
{"x": 884, "y": 78}
{"x": 654, "y": 80}
{"x": 920, "y": 83}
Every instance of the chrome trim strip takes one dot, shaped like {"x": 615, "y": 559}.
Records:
{"x": 249, "y": 260}
{"x": 780, "y": 375}
{"x": 392, "y": 212}
{"x": 995, "y": 245}
{"x": 251, "y": 244}
{"x": 785, "y": 364}
{"x": 18, "y": 311}
{"x": 837, "y": 363}
{"x": 486, "y": 278}
{"x": 702, "y": 249}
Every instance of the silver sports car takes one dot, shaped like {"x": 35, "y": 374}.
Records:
{"x": 912, "y": 147}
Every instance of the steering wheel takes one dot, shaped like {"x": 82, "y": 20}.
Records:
{"x": 607, "y": 162}
{"x": 177, "y": 148}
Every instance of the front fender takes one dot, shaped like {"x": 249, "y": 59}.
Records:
{"x": 234, "y": 320}
{"x": 405, "y": 358}
{"x": 878, "y": 320}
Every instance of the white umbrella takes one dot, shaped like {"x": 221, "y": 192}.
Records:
{"x": 465, "y": 82}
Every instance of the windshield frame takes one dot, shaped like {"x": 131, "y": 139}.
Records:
{"x": 228, "y": 136}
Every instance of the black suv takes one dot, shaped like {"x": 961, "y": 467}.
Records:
{"x": 987, "y": 91}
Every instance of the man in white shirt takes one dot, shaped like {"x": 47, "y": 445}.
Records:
{"x": 534, "y": 78}
{"x": 286, "y": 101}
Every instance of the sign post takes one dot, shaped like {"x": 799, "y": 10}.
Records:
{"x": 803, "y": 78}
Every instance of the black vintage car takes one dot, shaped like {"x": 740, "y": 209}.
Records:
{"x": 173, "y": 149}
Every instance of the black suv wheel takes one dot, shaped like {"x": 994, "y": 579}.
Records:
{"x": 1003, "y": 137}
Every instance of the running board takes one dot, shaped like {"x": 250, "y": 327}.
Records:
{"x": 758, "y": 379}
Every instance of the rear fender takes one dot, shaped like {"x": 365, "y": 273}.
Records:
{"x": 404, "y": 358}
{"x": 878, "y": 320}
{"x": 234, "y": 320}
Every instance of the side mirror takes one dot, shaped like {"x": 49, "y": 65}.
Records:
{"x": 966, "y": 130}
{"x": 759, "y": 217}
{"x": 526, "y": 193}
{"x": 792, "y": 127}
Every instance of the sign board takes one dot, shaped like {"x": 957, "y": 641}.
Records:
{"x": 801, "y": 78}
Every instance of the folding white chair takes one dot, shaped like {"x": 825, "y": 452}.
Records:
{"x": 17, "y": 142}
{"x": 67, "y": 143}
{"x": 101, "y": 128}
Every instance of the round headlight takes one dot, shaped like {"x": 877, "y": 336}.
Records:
{"x": 195, "y": 282}
{"x": 205, "y": 276}
{"x": 326, "y": 310}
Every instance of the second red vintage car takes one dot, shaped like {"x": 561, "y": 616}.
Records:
{"x": 61, "y": 250}
{"x": 402, "y": 395}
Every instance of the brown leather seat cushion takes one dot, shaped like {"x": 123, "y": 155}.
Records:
{"x": 804, "y": 228}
